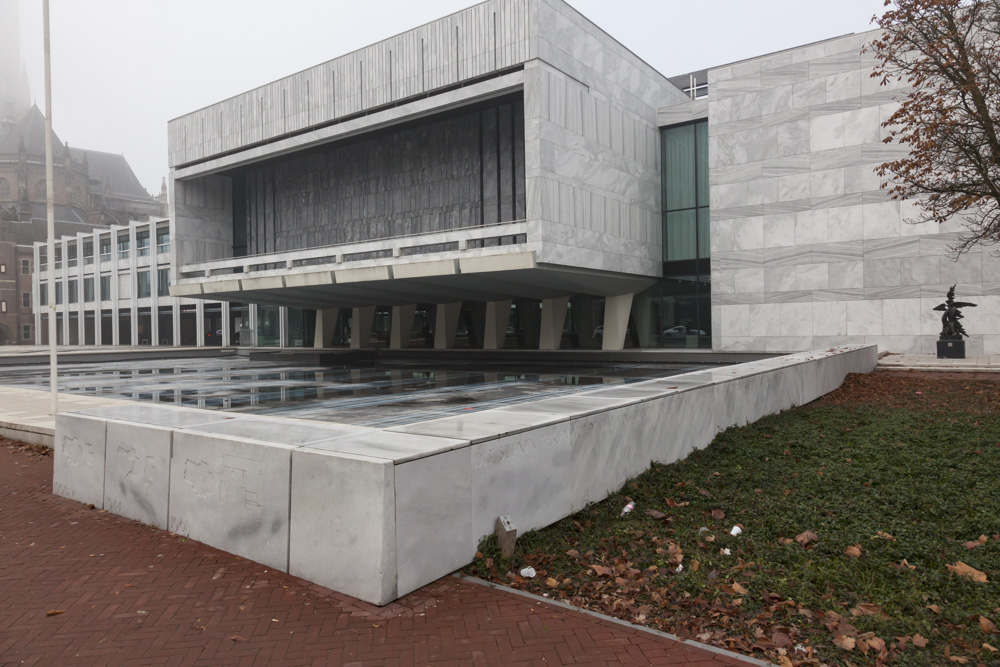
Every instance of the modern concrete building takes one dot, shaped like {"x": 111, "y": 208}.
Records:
{"x": 512, "y": 176}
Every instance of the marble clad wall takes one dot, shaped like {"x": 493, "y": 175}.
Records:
{"x": 592, "y": 147}
{"x": 377, "y": 514}
{"x": 807, "y": 249}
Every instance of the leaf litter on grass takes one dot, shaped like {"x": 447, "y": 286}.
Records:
{"x": 906, "y": 485}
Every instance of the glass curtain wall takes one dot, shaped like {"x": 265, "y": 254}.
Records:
{"x": 679, "y": 308}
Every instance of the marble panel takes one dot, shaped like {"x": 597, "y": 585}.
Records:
{"x": 794, "y": 187}
{"x": 779, "y": 278}
{"x": 232, "y": 494}
{"x": 481, "y": 426}
{"x": 861, "y": 178}
{"x": 794, "y": 137}
{"x": 847, "y": 275}
{"x": 812, "y": 276}
{"x": 744, "y": 259}
{"x": 906, "y": 246}
{"x": 525, "y": 476}
{"x": 786, "y": 166}
{"x": 796, "y": 319}
{"x": 898, "y": 292}
{"x": 765, "y": 319}
{"x": 861, "y": 126}
{"x": 160, "y": 415}
{"x": 748, "y": 233}
{"x": 808, "y": 93}
{"x": 835, "y": 158}
{"x": 79, "y": 448}
{"x": 811, "y": 227}
{"x": 727, "y": 149}
{"x": 882, "y": 272}
{"x": 434, "y": 503}
{"x": 735, "y": 321}
{"x": 826, "y": 132}
{"x": 397, "y": 447}
{"x": 830, "y": 318}
{"x": 720, "y": 236}
{"x": 920, "y": 270}
{"x": 842, "y": 294}
{"x": 729, "y": 195}
{"x": 834, "y": 253}
{"x": 749, "y": 280}
{"x": 967, "y": 268}
{"x": 785, "y": 344}
{"x": 826, "y": 183}
{"x": 785, "y": 256}
{"x": 990, "y": 267}
{"x": 723, "y": 281}
{"x": 864, "y": 318}
{"x": 762, "y": 191}
{"x": 881, "y": 219}
{"x": 342, "y": 531}
{"x": 845, "y": 223}
{"x": 901, "y": 317}
{"x": 777, "y": 93}
{"x": 778, "y": 230}
{"x": 285, "y": 431}
{"x": 762, "y": 143}
{"x": 137, "y": 472}
{"x": 938, "y": 244}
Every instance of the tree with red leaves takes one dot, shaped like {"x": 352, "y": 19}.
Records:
{"x": 947, "y": 52}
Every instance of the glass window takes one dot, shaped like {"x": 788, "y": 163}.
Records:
{"x": 142, "y": 243}
{"x": 44, "y": 294}
{"x": 681, "y": 235}
{"x": 73, "y": 292}
{"x": 58, "y": 293}
{"x": 142, "y": 283}
{"x": 105, "y": 288}
{"x": 163, "y": 282}
{"x": 25, "y": 332}
{"x": 105, "y": 248}
{"x": 71, "y": 254}
{"x": 25, "y": 266}
{"x": 123, "y": 246}
{"x": 3, "y": 306}
{"x": 163, "y": 240}
{"x": 25, "y": 299}
{"x": 88, "y": 252}
{"x": 88, "y": 289}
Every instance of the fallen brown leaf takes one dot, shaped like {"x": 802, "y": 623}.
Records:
{"x": 805, "y": 537}
{"x": 987, "y": 625}
{"x": 55, "y": 612}
{"x": 885, "y": 536}
{"x": 573, "y": 553}
{"x": 968, "y": 571}
{"x": 781, "y": 640}
{"x": 783, "y": 661}
{"x": 601, "y": 571}
{"x": 551, "y": 583}
{"x": 853, "y": 551}
{"x": 991, "y": 649}
{"x": 844, "y": 642}
{"x": 718, "y": 514}
{"x": 237, "y": 638}
{"x": 655, "y": 514}
{"x": 933, "y": 607}
{"x": 739, "y": 589}
{"x": 919, "y": 641}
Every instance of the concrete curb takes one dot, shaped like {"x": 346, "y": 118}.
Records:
{"x": 617, "y": 621}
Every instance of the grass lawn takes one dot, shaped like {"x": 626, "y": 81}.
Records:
{"x": 855, "y": 509}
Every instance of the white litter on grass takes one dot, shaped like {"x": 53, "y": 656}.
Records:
{"x": 702, "y": 530}
{"x": 628, "y": 508}
{"x": 735, "y": 531}
{"x": 528, "y": 572}
{"x": 680, "y": 568}
{"x": 724, "y": 552}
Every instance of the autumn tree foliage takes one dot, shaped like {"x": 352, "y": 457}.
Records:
{"x": 947, "y": 53}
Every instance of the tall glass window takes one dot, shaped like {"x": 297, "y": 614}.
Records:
{"x": 681, "y": 303}
{"x": 105, "y": 288}
{"x": 163, "y": 282}
{"x": 142, "y": 243}
{"x": 142, "y": 284}
{"x": 88, "y": 289}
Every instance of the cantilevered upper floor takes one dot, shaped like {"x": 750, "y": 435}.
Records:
{"x": 515, "y": 140}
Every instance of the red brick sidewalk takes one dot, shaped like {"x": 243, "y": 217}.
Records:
{"x": 130, "y": 594}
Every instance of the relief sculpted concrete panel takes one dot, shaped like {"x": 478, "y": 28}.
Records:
{"x": 137, "y": 472}
{"x": 78, "y": 469}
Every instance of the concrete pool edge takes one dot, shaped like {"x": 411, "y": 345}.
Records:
{"x": 377, "y": 513}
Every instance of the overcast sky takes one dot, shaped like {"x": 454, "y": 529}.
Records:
{"x": 122, "y": 68}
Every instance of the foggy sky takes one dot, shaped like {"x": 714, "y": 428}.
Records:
{"x": 122, "y": 68}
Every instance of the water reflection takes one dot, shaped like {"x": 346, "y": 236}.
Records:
{"x": 376, "y": 396}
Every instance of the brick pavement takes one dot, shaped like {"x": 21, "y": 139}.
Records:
{"x": 135, "y": 595}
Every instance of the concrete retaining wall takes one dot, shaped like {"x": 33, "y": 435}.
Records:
{"x": 377, "y": 514}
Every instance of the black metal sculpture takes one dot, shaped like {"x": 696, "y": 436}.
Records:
{"x": 951, "y": 326}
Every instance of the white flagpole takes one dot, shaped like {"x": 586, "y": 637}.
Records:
{"x": 50, "y": 201}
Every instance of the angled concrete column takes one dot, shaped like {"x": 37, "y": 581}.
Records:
{"x": 553, "y": 319}
{"x": 401, "y": 326}
{"x": 495, "y": 331}
{"x": 326, "y": 320}
{"x": 361, "y": 326}
{"x": 616, "y": 312}
{"x": 446, "y": 324}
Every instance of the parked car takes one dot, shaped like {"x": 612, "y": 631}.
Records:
{"x": 682, "y": 331}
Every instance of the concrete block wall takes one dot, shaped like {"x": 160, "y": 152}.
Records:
{"x": 807, "y": 249}
{"x": 376, "y": 513}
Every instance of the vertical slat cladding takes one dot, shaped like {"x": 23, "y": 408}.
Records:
{"x": 489, "y": 36}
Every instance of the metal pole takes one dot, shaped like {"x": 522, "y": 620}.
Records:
{"x": 50, "y": 201}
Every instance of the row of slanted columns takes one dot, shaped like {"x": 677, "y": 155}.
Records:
{"x": 548, "y": 323}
